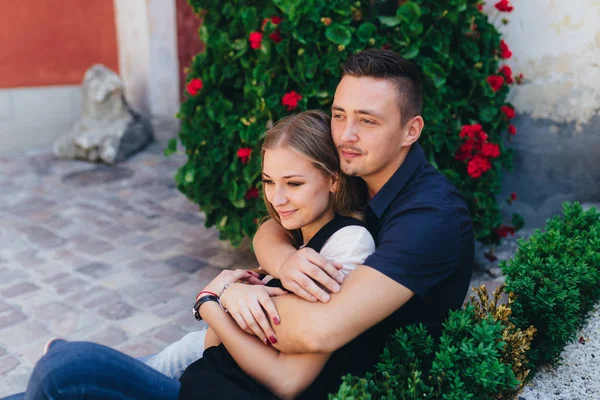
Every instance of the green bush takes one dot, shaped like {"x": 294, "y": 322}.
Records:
{"x": 488, "y": 350}
{"x": 464, "y": 364}
{"x": 267, "y": 59}
{"x": 556, "y": 276}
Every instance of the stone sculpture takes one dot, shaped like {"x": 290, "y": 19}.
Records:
{"x": 109, "y": 130}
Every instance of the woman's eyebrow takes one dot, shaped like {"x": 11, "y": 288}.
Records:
{"x": 287, "y": 176}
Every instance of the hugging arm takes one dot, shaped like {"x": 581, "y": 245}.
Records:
{"x": 285, "y": 375}
{"x": 298, "y": 270}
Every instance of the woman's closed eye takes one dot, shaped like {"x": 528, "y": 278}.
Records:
{"x": 295, "y": 184}
{"x": 267, "y": 181}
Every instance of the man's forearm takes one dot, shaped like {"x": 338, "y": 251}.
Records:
{"x": 273, "y": 247}
{"x": 325, "y": 327}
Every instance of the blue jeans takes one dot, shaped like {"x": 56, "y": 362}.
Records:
{"x": 83, "y": 370}
{"x": 176, "y": 357}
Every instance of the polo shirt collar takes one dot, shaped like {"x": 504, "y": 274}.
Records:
{"x": 382, "y": 200}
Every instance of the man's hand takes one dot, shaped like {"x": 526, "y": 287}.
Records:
{"x": 304, "y": 269}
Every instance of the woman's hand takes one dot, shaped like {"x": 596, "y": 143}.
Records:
{"x": 247, "y": 304}
{"x": 232, "y": 276}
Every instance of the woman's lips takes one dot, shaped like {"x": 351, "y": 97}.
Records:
{"x": 286, "y": 213}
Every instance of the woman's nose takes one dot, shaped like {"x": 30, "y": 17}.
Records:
{"x": 279, "y": 197}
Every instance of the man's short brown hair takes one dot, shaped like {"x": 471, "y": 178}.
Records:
{"x": 386, "y": 64}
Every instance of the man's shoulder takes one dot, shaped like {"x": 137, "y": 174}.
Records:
{"x": 429, "y": 193}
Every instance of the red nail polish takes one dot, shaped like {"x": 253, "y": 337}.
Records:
{"x": 276, "y": 320}
{"x": 273, "y": 339}
{"x": 249, "y": 272}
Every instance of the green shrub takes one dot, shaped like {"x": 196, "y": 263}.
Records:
{"x": 556, "y": 277}
{"x": 267, "y": 59}
{"x": 464, "y": 364}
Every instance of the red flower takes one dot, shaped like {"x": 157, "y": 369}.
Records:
{"x": 290, "y": 100}
{"x": 252, "y": 193}
{"x": 491, "y": 150}
{"x": 513, "y": 196}
{"x": 470, "y": 131}
{"x": 504, "y": 50}
{"x": 504, "y": 230}
{"x": 255, "y": 38}
{"x": 507, "y": 72}
{"x": 512, "y": 130}
{"x": 508, "y": 111}
{"x": 504, "y": 5}
{"x": 477, "y": 166}
{"x": 495, "y": 81}
{"x": 465, "y": 151}
{"x": 480, "y": 7}
{"x": 194, "y": 86}
{"x": 275, "y": 20}
{"x": 276, "y": 36}
{"x": 244, "y": 154}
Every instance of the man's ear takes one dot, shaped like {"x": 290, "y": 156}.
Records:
{"x": 334, "y": 183}
{"x": 413, "y": 130}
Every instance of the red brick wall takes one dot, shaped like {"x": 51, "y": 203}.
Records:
{"x": 53, "y": 42}
{"x": 188, "y": 40}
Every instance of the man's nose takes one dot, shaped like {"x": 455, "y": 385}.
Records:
{"x": 349, "y": 135}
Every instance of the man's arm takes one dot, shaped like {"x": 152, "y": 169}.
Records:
{"x": 325, "y": 327}
{"x": 273, "y": 247}
{"x": 297, "y": 269}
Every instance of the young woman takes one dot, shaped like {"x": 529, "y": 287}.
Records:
{"x": 304, "y": 192}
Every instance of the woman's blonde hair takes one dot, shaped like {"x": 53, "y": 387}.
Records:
{"x": 309, "y": 134}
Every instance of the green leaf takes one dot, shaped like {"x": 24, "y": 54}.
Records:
{"x": 171, "y": 147}
{"x": 435, "y": 72}
{"x": 390, "y": 21}
{"x": 338, "y": 34}
{"x": 409, "y": 12}
{"x": 411, "y": 52}
{"x": 366, "y": 31}
{"x": 250, "y": 19}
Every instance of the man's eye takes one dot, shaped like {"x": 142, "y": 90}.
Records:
{"x": 368, "y": 121}
{"x": 338, "y": 116}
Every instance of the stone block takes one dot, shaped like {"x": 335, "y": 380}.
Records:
{"x": 23, "y": 334}
{"x": 96, "y": 270}
{"x": 141, "y": 323}
{"x": 162, "y": 245}
{"x": 7, "y": 364}
{"x": 185, "y": 264}
{"x": 117, "y": 310}
{"x": 169, "y": 334}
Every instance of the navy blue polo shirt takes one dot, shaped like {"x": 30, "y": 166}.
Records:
{"x": 425, "y": 242}
{"x": 424, "y": 237}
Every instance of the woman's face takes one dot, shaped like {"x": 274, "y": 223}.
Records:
{"x": 299, "y": 192}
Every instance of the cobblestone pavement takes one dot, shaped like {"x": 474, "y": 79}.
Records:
{"x": 108, "y": 254}
{"x": 91, "y": 252}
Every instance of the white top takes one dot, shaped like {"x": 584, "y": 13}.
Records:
{"x": 350, "y": 246}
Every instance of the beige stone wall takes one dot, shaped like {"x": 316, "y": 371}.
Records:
{"x": 556, "y": 45}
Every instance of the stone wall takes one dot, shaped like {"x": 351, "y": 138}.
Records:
{"x": 556, "y": 46}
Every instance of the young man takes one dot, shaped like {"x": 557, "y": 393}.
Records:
{"x": 422, "y": 266}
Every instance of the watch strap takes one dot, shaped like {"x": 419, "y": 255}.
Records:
{"x": 200, "y": 301}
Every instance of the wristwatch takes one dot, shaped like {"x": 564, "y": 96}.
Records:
{"x": 202, "y": 300}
